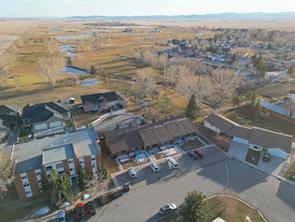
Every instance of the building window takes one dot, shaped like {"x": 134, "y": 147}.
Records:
{"x": 93, "y": 158}
{"x": 70, "y": 161}
{"x": 26, "y": 185}
{"x": 59, "y": 166}
{"x": 24, "y": 177}
{"x": 48, "y": 168}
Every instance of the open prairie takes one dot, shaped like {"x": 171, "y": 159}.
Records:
{"x": 106, "y": 47}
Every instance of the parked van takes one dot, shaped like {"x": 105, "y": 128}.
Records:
{"x": 172, "y": 163}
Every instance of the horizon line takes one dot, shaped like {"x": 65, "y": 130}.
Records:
{"x": 155, "y": 15}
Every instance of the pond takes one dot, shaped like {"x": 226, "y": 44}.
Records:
{"x": 89, "y": 82}
{"x": 68, "y": 50}
{"x": 73, "y": 36}
{"x": 74, "y": 70}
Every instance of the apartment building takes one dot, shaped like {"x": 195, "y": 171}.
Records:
{"x": 64, "y": 153}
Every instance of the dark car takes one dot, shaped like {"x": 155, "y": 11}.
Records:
{"x": 195, "y": 154}
{"x": 192, "y": 155}
{"x": 199, "y": 154}
{"x": 90, "y": 209}
{"x": 266, "y": 157}
{"x": 79, "y": 210}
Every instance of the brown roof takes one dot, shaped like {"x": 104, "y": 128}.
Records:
{"x": 149, "y": 134}
{"x": 123, "y": 140}
{"x": 255, "y": 135}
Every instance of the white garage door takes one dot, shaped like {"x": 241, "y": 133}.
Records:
{"x": 40, "y": 127}
{"x": 55, "y": 124}
{"x": 278, "y": 153}
{"x": 240, "y": 140}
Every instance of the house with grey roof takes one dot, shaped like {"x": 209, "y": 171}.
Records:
{"x": 278, "y": 144}
{"x": 46, "y": 118}
{"x": 148, "y": 136}
{"x": 64, "y": 153}
{"x": 101, "y": 102}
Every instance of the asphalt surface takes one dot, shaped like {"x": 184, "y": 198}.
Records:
{"x": 214, "y": 174}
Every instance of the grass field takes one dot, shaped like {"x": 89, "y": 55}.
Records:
{"x": 225, "y": 207}
{"x": 232, "y": 210}
{"x": 276, "y": 90}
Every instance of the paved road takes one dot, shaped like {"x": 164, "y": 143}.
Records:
{"x": 275, "y": 199}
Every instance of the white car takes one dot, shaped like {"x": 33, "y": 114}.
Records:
{"x": 155, "y": 167}
{"x": 64, "y": 205}
{"x": 132, "y": 172}
{"x": 168, "y": 208}
{"x": 172, "y": 163}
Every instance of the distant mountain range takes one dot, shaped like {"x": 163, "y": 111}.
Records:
{"x": 224, "y": 16}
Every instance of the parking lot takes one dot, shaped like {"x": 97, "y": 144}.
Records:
{"x": 146, "y": 176}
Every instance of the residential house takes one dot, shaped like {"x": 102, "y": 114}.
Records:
{"x": 101, "y": 102}
{"x": 64, "y": 153}
{"x": 8, "y": 120}
{"x": 147, "y": 136}
{"x": 284, "y": 108}
{"x": 277, "y": 144}
{"x": 46, "y": 118}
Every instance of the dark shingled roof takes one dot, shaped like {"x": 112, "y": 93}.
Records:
{"x": 255, "y": 135}
{"x": 42, "y": 111}
{"x": 271, "y": 139}
{"x": 99, "y": 97}
{"x": 6, "y": 109}
{"x": 149, "y": 134}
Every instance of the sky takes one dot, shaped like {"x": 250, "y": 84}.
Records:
{"x": 65, "y": 8}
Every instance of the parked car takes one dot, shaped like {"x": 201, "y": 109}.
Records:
{"x": 126, "y": 187}
{"x": 132, "y": 172}
{"x": 90, "y": 209}
{"x": 172, "y": 163}
{"x": 199, "y": 154}
{"x": 79, "y": 210}
{"x": 168, "y": 209}
{"x": 192, "y": 155}
{"x": 85, "y": 196}
{"x": 266, "y": 157}
{"x": 64, "y": 205}
{"x": 155, "y": 167}
{"x": 61, "y": 216}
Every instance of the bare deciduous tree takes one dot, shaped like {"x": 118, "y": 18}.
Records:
{"x": 224, "y": 82}
{"x": 6, "y": 166}
{"x": 146, "y": 80}
{"x": 50, "y": 67}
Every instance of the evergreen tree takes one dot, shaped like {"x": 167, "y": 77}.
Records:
{"x": 82, "y": 178}
{"x": 191, "y": 109}
{"x": 195, "y": 208}
{"x": 53, "y": 181}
